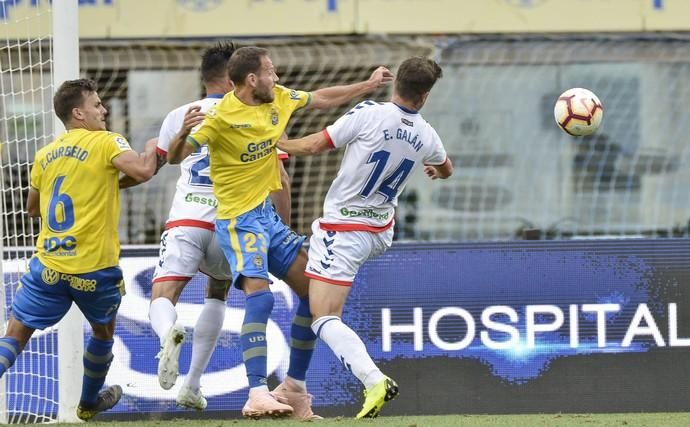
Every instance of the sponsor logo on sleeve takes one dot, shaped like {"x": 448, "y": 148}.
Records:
{"x": 122, "y": 143}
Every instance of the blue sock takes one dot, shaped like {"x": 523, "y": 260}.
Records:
{"x": 302, "y": 341}
{"x": 9, "y": 349}
{"x": 97, "y": 358}
{"x": 253, "y": 336}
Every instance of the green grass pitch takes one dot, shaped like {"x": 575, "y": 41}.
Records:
{"x": 568, "y": 420}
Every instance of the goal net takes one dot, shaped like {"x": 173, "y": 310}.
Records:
{"x": 135, "y": 81}
{"x": 515, "y": 170}
{"x": 43, "y": 384}
{"x": 29, "y": 391}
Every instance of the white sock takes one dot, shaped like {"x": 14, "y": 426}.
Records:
{"x": 163, "y": 316}
{"x": 349, "y": 348}
{"x": 206, "y": 332}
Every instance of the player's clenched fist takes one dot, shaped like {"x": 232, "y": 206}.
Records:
{"x": 431, "y": 172}
{"x": 381, "y": 76}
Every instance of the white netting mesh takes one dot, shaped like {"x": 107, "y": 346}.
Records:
{"x": 515, "y": 169}
{"x": 493, "y": 108}
{"x": 29, "y": 392}
{"x": 141, "y": 82}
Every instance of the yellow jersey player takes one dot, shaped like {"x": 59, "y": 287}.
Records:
{"x": 75, "y": 192}
{"x": 241, "y": 133}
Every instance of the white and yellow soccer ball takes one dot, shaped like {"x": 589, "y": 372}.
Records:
{"x": 578, "y": 112}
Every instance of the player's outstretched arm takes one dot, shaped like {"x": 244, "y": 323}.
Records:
{"x": 127, "y": 181}
{"x": 337, "y": 95}
{"x": 308, "y": 146}
{"x": 140, "y": 167}
{"x": 439, "y": 172}
{"x": 180, "y": 147}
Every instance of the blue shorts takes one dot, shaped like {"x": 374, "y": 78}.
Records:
{"x": 257, "y": 242}
{"x": 45, "y": 295}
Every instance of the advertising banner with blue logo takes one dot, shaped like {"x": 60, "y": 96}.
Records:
{"x": 570, "y": 326}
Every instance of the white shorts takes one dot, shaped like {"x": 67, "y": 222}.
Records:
{"x": 186, "y": 250}
{"x": 336, "y": 256}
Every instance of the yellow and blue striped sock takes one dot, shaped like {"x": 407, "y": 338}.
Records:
{"x": 302, "y": 341}
{"x": 97, "y": 357}
{"x": 253, "y": 336}
{"x": 9, "y": 349}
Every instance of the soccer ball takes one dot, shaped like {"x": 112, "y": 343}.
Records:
{"x": 578, "y": 112}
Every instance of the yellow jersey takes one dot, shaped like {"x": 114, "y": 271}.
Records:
{"x": 79, "y": 201}
{"x": 241, "y": 140}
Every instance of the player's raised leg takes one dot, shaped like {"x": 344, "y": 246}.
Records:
{"x": 327, "y": 304}
{"x": 163, "y": 316}
{"x": 334, "y": 260}
{"x": 206, "y": 333}
{"x": 179, "y": 257}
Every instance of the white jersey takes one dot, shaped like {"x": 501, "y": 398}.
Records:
{"x": 384, "y": 144}
{"x": 193, "y": 199}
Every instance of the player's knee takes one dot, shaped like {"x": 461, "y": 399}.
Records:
{"x": 168, "y": 289}
{"x": 217, "y": 289}
{"x": 20, "y": 333}
{"x": 321, "y": 306}
{"x": 252, "y": 285}
{"x": 103, "y": 332}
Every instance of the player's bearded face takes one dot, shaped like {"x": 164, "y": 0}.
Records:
{"x": 266, "y": 80}
{"x": 93, "y": 112}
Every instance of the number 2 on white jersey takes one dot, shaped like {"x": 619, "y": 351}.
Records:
{"x": 199, "y": 172}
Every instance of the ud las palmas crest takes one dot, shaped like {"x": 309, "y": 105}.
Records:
{"x": 274, "y": 117}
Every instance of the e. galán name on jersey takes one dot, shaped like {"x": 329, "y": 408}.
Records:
{"x": 405, "y": 135}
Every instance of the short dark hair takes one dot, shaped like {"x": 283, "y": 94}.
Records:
{"x": 416, "y": 76}
{"x": 244, "y": 61}
{"x": 71, "y": 94}
{"x": 214, "y": 61}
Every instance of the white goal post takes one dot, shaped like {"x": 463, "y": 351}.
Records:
{"x": 70, "y": 329}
